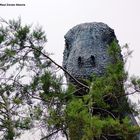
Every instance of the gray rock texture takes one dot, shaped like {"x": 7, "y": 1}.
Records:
{"x": 86, "y": 49}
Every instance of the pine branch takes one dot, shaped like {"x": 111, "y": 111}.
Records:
{"x": 46, "y": 137}
{"x": 77, "y": 81}
{"x": 111, "y": 114}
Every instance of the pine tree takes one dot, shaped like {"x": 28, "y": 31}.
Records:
{"x": 33, "y": 95}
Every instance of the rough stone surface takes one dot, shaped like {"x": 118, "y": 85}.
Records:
{"x": 86, "y": 49}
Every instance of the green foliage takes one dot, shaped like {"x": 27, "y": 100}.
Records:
{"x": 37, "y": 112}
{"x": 102, "y": 112}
{"x": 25, "y": 123}
{"x": 1, "y": 38}
{"x": 38, "y": 34}
{"x": 17, "y": 101}
{"x": 33, "y": 94}
{"x": 20, "y": 60}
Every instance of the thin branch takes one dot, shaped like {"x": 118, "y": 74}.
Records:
{"x": 127, "y": 94}
{"x": 77, "y": 90}
{"x": 35, "y": 97}
{"x": 104, "y": 137}
{"x": 32, "y": 47}
{"x": 77, "y": 81}
{"x": 111, "y": 114}
{"x": 46, "y": 137}
{"x": 67, "y": 137}
{"x": 2, "y": 20}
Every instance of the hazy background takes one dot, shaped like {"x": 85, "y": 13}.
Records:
{"x": 58, "y": 16}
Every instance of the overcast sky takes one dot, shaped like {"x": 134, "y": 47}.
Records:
{"x": 58, "y": 16}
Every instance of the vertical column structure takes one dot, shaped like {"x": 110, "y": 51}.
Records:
{"x": 86, "y": 50}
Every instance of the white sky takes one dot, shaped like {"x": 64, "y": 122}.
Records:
{"x": 58, "y": 16}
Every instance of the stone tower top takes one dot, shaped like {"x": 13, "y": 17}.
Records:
{"x": 86, "y": 49}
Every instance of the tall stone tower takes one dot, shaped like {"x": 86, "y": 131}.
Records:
{"x": 86, "y": 50}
